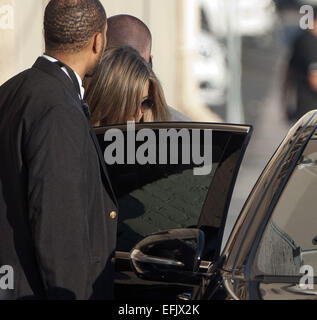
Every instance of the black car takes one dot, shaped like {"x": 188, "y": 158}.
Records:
{"x": 171, "y": 222}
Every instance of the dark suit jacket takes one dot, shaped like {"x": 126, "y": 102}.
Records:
{"x": 55, "y": 196}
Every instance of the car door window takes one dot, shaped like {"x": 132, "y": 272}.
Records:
{"x": 159, "y": 197}
{"x": 156, "y": 197}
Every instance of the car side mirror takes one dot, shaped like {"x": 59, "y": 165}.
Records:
{"x": 172, "y": 255}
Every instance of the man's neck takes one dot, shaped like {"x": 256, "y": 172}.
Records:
{"x": 71, "y": 60}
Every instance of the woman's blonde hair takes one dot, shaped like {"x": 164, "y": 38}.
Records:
{"x": 114, "y": 93}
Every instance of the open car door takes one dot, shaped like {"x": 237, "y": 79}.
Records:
{"x": 165, "y": 182}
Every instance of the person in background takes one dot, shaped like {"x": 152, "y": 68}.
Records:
{"x": 58, "y": 213}
{"x": 125, "y": 88}
{"x": 301, "y": 76}
{"x": 127, "y": 30}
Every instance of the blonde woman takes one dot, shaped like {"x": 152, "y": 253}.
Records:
{"x": 125, "y": 88}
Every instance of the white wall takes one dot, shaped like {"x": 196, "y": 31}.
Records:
{"x": 28, "y": 32}
{"x": 7, "y": 45}
{"x": 22, "y": 44}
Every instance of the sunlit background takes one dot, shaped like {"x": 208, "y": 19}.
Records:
{"x": 218, "y": 60}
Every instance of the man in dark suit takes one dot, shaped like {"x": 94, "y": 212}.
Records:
{"x": 58, "y": 213}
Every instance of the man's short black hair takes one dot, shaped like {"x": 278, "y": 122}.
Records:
{"x": 70, "y": 24}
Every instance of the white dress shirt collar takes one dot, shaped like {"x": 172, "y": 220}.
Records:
{"x": 82, "y": 90}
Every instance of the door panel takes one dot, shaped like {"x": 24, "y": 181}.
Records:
{"x": 156, "y": 197}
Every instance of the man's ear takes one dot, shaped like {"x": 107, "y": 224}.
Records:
{"x": 98, "y": 43}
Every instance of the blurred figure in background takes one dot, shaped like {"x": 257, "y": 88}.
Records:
{"x": 126, "y": 30}
{"x": 125, "y": 88}
{"x": 300, "y": 87}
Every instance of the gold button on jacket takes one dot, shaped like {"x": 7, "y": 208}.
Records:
{"x": 113, "y": 215}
